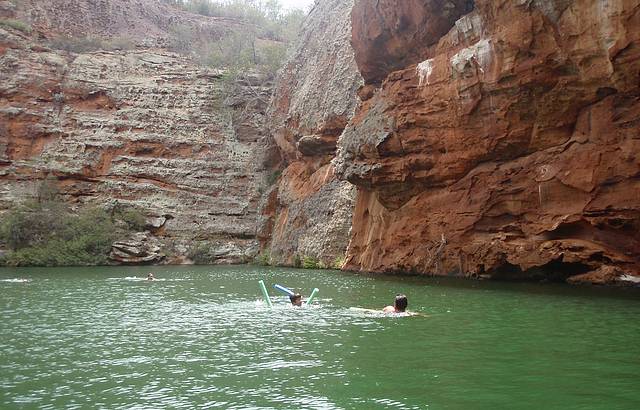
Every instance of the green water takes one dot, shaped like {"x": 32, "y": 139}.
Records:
{"x": 201, "y": 338}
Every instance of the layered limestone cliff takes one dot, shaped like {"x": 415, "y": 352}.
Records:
{"x": 308, "y": 211}
{"x": 505, "y": 142}
{"x": 143, "y": 128}
{"x": 145, "y": 22}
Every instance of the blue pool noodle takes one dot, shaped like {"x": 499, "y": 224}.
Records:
{"x": 285, "y": 290}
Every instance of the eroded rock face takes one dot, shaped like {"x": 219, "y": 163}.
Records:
{"x": 139, "y": 249}
{"x": 142, "y": 21}
{"x": 389, "y": 34}
{"x": 511, "y": 149}
{"x": 308, "y": 212}
{"x": 144, "y": 128}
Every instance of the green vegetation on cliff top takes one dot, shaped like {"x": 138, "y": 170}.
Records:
{"x": 261, "y": 45}
{"x": 16, "y": 24}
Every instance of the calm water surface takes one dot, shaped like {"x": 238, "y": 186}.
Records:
{"x": 200, "y": 337}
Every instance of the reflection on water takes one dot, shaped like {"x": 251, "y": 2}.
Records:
{"x": 201, "y": 337}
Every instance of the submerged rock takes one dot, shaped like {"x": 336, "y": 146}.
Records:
{"x": 606, "y": 275}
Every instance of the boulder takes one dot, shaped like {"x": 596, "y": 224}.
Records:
{"x": 139, "y": 249}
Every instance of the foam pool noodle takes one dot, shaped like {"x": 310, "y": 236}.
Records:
{"x": 265, "y": 293}
{"x": 285, "y": 290}
{"x": 313, "y": 295}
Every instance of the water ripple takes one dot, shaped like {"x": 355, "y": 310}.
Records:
{"x": 203, "y": 338}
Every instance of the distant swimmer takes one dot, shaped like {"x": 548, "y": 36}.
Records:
{"x": 399, "y": 305}
{"x": 150, "y": 276}
{"x": 296, "y": 299}
{"x": 17, "y": 280}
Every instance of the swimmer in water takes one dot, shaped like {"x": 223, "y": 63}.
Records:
{"x": 399, "y": 305}
{"x": 150, "y": 276}
{"x": 296, "y": 299}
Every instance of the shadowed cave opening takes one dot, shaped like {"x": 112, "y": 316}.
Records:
{"x": 554, "y": 271}
{"x": 388, "y": 35}
{"x": 615, "y": 233}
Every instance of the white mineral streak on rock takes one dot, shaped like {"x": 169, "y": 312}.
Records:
{"x": 469, "y": 26}
{"x": 424, "y": 71}
{"x": 549, "y": 8}
{"x": 609, "y": 12}
{"x": 630, "y": 278}
{"x": 478, "y": 54}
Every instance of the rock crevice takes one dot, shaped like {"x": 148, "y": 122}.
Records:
{"x": 308, "y": 211}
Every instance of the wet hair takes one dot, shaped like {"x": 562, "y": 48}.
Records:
{"x": 295, "y": 297}
{"x": 400, "y": 303}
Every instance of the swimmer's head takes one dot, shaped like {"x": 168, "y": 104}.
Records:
{"x": 400, "y": 304}
{"x": 296, "y": 300}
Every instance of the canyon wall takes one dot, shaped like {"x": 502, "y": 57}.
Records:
{"x": 308, "y": 211}
{"x": 505, "y": 143}
{"x": 495, "y": 139}
{"x": 149, "y": 23}
{"x": 143, "y": 128}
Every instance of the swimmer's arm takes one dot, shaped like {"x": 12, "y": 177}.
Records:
{"x": 407, "y": 313}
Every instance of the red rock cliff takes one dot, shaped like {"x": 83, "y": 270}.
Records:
{"x": 508, "y": 147}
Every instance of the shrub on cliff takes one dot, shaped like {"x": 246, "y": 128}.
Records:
{"x": 89, "y": 44}
{"x": 31, "y": 223}
{"x": 271, "y": 58}
{"x": 268, "y": 15}
{"x": 309, "y": 262}
{"x": 237, "y": 54}
{"x": 77, "y": 252}
{"x": 200, "y": 254}
{"x": 233, "y": 51}
{"x": 16, "y": 24}
{"x": 273, "y": 177}
{"x": 182, "y": 39}
{"x": 47, "y": 234}
{"x": 263, "y": 259}
{"x": 260, "y": 46}
{"x": 132, "y": 217}
{"x": 119, "y": 43}
{"x": 77, "y": 44}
